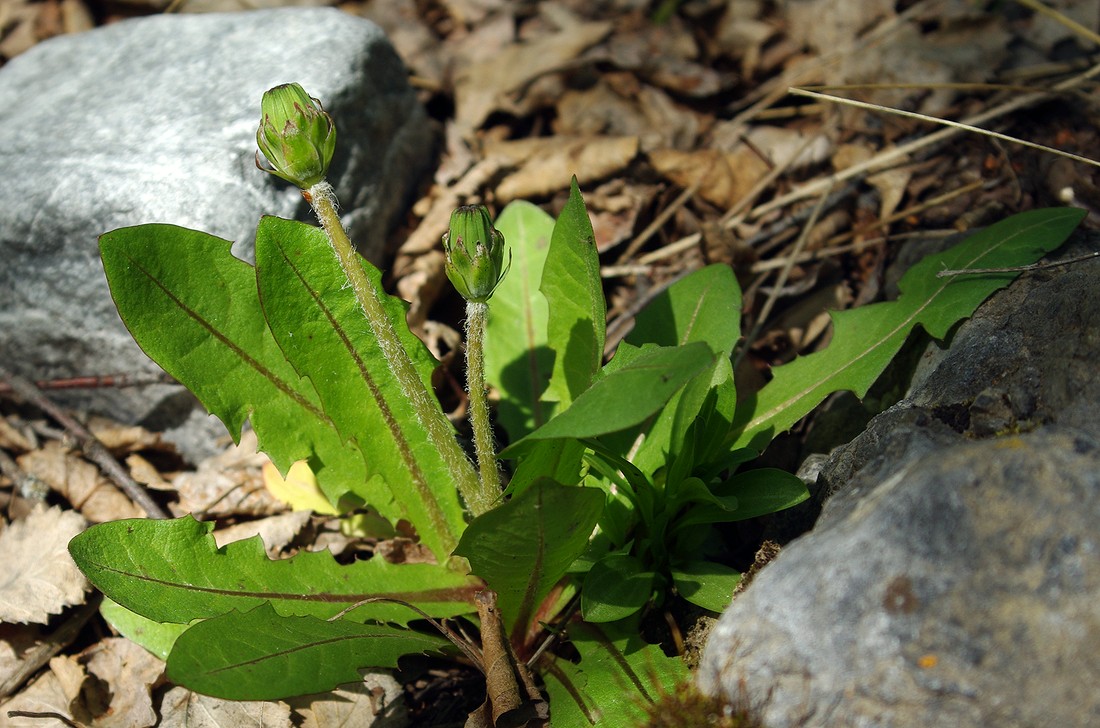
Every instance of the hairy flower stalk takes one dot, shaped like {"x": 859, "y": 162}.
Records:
{"x": 476, "y": 316}
{"x": 475, "y": 266}
{"x": 300, "y": 161}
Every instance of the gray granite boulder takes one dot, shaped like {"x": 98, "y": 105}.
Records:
{"x": 954, "y": 573}
{"x": 154, "y": 120}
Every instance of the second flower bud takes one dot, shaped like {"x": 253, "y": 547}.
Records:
{"x": 475, "y": 253}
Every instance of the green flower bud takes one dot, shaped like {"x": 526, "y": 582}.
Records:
{"x": 296, "y": 136}
{"x": 475, "y": 253}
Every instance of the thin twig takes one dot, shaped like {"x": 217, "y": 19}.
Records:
{"x": 766, "y": 310}
{"x": 1041, "y": 265}
{"x": 659, "y": 221}
{"x": 945, "y": 122}
{"x": 890, "y": 156}
{"x": 1064, "y": 20}
{"x": 96, "y": 381}
{"x": 834, "y": 248}
{"x": 89, "y": 443}
{"x": 49, "y": 647}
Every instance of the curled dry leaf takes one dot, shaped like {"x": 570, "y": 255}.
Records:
{"x": 37, "y": 576}
{"x": 80, "y": 483}
{"x": 376, "y": 702}
{"x": 726, "y": 176}
{"x": 130, "y": 673}
{"x": 56, "y": 691}
{"x": 182, "y": 708}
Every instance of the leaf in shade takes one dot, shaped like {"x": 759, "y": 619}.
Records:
{"x": 518, "y": 360}
{"x": 263, "y": 655}
{"x": 616, "y": 587}
{"x": 866, "y": 339}
{"x": 617, "y": 675}
{"x": 614, "y": 401}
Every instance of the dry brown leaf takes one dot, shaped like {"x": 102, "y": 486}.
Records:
{"x": 18, "y": 19}
{"x": 120, "y": 438}
{"x": 130, "y": 672}
{"x": 182, "y": 708}
{"x": 727, "y": 176}
{"x": 890, "y": 183}
{"x": 511, "y": 694}
{"x": 80, "y": 483}
{"x": 546, "y": 164}
{"x": 15, "y": 641}
{"x": 144, "y": 472}
{"x": 617, "y": 105}
{"x": 377, "y": 702}
{"x": 37, "y": 576}
{"x": 56, "y": 691}
{"x": 485, "y": 86}
{"x": 12, "y": 439}
{"x": 780, "y": 144}
{"x": 228, "y": 484}
{"x": 276, "y": 531}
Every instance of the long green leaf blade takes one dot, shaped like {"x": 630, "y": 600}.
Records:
{"x": 518, "y": 360}
{"x": 262, "y": 655}
{"x": 867, "y": 338}
{"x": 613, "y": 402}
{"x": 523, "y": 548}
{"x": 193, "y": 308}
{"x": 316, "y": 320}
{"x": 172, "y": 571}
{"x": 574, "y": 294}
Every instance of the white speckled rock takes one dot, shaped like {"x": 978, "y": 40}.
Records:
{"x": 154, "y": 120}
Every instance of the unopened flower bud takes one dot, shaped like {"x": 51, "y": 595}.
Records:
{"x": 296, "y": 135}
{"x": 475, "y": 253}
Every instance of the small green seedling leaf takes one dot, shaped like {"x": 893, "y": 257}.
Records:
{"x": 316, "y": 320}
{"x": 172, "y": 571}
{"x": 263, "y": 655}
{"x": 865, "y": 339}
{"x": 613, "y": 402}
{"x": 518, "y": 359}
{"x": 574, "y": 294}
{"x": 706, "y": 584}
{"x": 617, "y": 586}
{"x": 747, "y": 495}
{"x": 704, "y": 306}
{"x": 523, "y": 548}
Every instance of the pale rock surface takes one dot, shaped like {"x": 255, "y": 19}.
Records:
{"x": 154, "y": 120}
